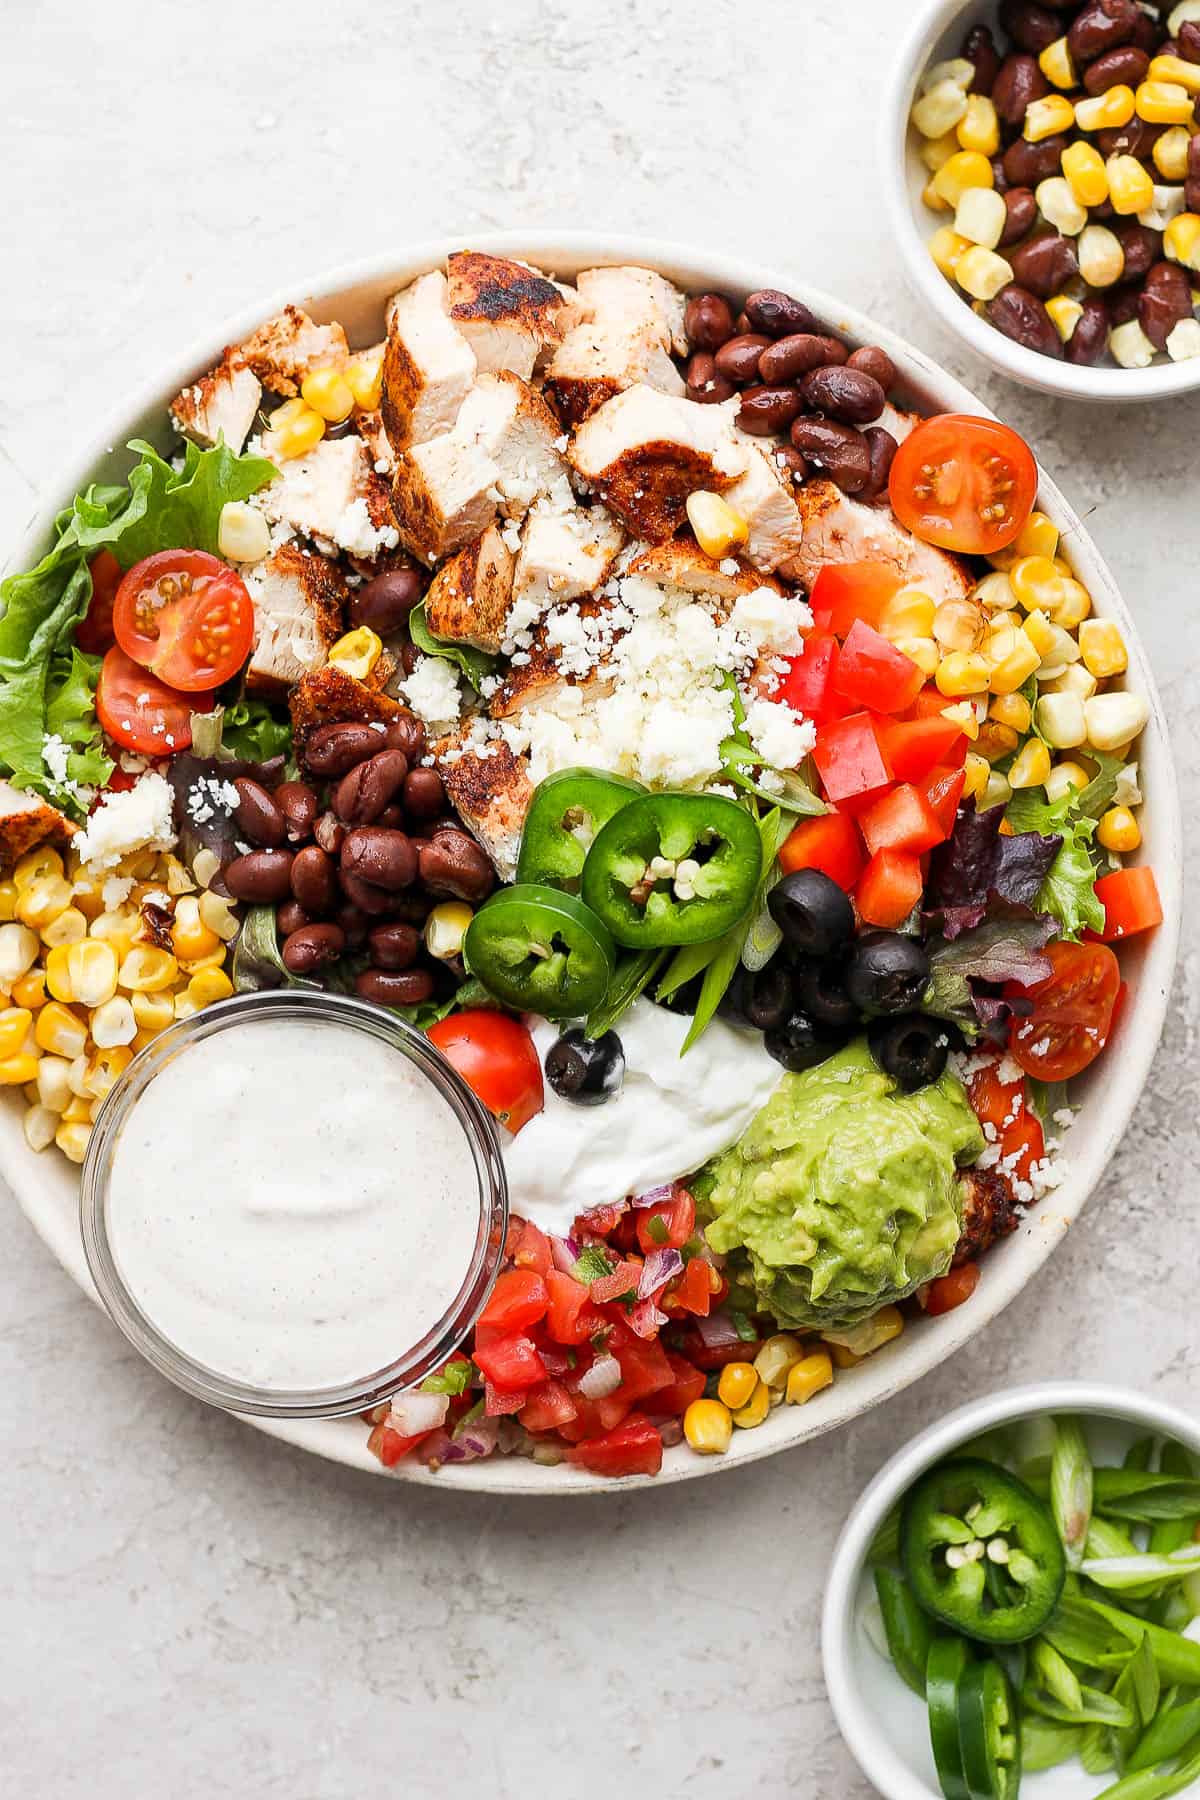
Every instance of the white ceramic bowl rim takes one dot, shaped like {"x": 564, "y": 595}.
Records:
{"x": 871, "y": 1749}
{"x": 361, "y": 289}
{"x": 913, "y": 227}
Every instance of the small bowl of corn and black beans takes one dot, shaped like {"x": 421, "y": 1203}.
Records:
{"x": 1042, "y": 161}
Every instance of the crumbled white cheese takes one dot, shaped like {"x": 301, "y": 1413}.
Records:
{"x": 432, "y": 691}
{"x": 781, "y": 736}
{"x": 208, "y": 796}
{"x": 55, "y": 754}
{"x": 773, "y": 620}
{"x": 115, "y": 890}
{"x": 137, "y": 819}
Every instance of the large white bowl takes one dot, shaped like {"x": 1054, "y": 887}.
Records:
{"x": 884, "y": 1724}
{"x": 47, "y": 1186}
{"x": 937, "y": 31}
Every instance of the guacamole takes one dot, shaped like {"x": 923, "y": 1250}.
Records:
{"x": 842, "y": 1194}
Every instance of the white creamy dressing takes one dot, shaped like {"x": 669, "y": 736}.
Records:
{"x": 670, "y": 1114}
{"x": 293, "y": 1204}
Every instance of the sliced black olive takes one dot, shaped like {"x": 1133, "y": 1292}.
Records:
{"x": 771, "y": 998}
{"x": 732, "y": 1004}
{"x": 800, "y": 1043}
{"x": 812, "y": 912}
{"x": 887, "y": 972}
{"x": 583, "y": 1069}
{"x": 821, "y": 992}
{"x": 911, "y": 1048}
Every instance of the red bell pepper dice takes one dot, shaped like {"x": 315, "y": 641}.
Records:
{"x": 510, "y": 1364}
{"x": 848, "y": 757}
{"x": 915, "y": 747}
{"x": 943, "y": 789}
{"x": 889, "y": 887}
{"x": 872, "y": 672}
{"x": 929, "y": 703}
{"x": 1131, "y": 902}
{"x": 808, "y": 687}
{"x": 830, "y": 843}
{"x": 901, "y": 819}
{"x": 1015, "y": 1127}
{"x": 844, "y": 592}
{"x": 631, "y": 1448}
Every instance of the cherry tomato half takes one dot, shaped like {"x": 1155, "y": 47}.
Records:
{"x": 141, "y": 713}
{"x": 1072, "y": 1012}
{"x": 496, "y": 1057}
{"x": 963, "y": 483}
{"x": 94, "y": 632}
{"x": 187, "y": 617}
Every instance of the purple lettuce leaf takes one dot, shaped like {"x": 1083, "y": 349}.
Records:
{"x": 978, "y": 869}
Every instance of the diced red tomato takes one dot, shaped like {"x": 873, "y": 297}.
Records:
{"x": 519, "y": 1298}
{"x": 943, "y": 790}
{"x": 830, "y": 843}
{"x": 844, "y": 592}
{"x": 1072, "y": 1011}
{"x": 599, "y": 1221}
{"x": 511, "y": 1363}
{"x": 954, "y": 1289}
{"x": 848, "y": 757}
{"x": 688, "y": 1385}
{"x": 1131, "y": 902}
{"x": 644, "y": 1366}
{"x": 808, "y": 685}
{"x": 626, "y": 1275}
{"x": 548, "y": 1407}
{"x": 530, "y": 1248}
{"x": 668, "y": 1224}
{"x": 497, "y": 1401}
{"x": 914, "y": 747}
{"x": 1002, "y": 1106}
{"x": 889, "y": 887}
{"x": 715, "y": 1356}
{"x": 571, "y": 1317}
{"x": 901, "y": 819}
{"x": 631, "y": 1448}
{"x": 693, "y": 1291}
{"x": 872, "y": 672}
{"x": 389, "y": 1446}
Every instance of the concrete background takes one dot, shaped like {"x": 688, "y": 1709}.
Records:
{"x": 189, "y": 1608}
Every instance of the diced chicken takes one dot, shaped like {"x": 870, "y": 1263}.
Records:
{"x": 443, "y": 496}
{"x": 562, "y": 557}
{"x": 514, "y": 427}
{"x": 507, "y": 312}
{"x": 562, "y": 654}
{"x": 329, "y": 696}
{"x": 628, "y": 291}
{"x": 370, "y": 428}
{"x": 222, "y": 404}
{"x": 26, "y": 821}
{"x": 282, "y": 351}
{"x": 490, "y": 789}
{"x": 333, "y": 494}
{"x": 428, "y": 367}
{"x": 766, "y": 498}
{"x": 645, "y": 452}
{"x": 632, "y": 320}
{"x": 469, "y": 597}
{"x": 682, "y": 563}
{"x": 299, "y": 599}
{"x": 838, "y": 529}
{"x": 988, "y": 1212}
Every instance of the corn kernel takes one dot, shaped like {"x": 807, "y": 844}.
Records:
{"x": 104, "y": 1070}
{"x": 778, "y": 1356}
{"x": 58, "y": 974}
{"x": 808, "y": 1377}
{"x": 1163, "y": 103}
{"x": 939, "y": 110}
{"x": 30, "y": 990}
{"x": 736, "y": 1383}
{"x": 1103, "y": 648}
{"x": 1045, "y": 117}
{"x": 185, "y": 1006}
{"x": 1037, "y": 584}
{"x": 979, "y": 127}
{"x": 1001, "y": 642}
{"x": 1061, "y": 721}
{"x": 16, "y": 1070}
{"x": 1114, "y": 719}
{"x": 217, "y": 916}
{"x": 72, "y": 1140}
{"x": 994, "y": 593}
{"x": 982, "y": 273}
{"x": 243, "y": 534}
{"x": 1012, "y": 710}
{"x": 1073, "y": 680}
{"x": 1030, "y": 766}
{"x": 39, "y": 1126}
{"x": 1170, "y": 153}
{"x": 909, "y": 613}
{"x": 1064, "y": 650}
{"x": 58, "y": 1030}
{"x": 68, "y": 928}
{"x": 15, "y": 1022}
{"x": 1059, "y": 206}
{"x": 1119, "y": 831}
{"x": 1101, "y": 258}
{"x": 719, "y": 529}
{"x": 295, "y": 429}
{"x": 77, "y": 1076}
{"x": 446, "y": 927}
{"x": 981, "y": 217}
{"x": 965, "y": 170}
{"x": 193, "y": 965}
{"x": 357, "y": 652}
{"x": 963, "y": 715}
{"x": 1181, "y": 240}
{"x": 945, "y": 247}
{"x": 1057, "y": 64}
{"x": 921, "y": 650}
{"x": 962, "y": 672}
{"x": 957, "y": 69}
{"x": 328, "y": 393}
{"x": 118, "y": 928}
{"x": 78, "y": 1111}
{"x": 152, "y": 1012}
{"x": 41, "y": 901}
{"x": 958, "y": 625}
{"x": 977, "y": 771}
{"x": 1130, "y": 186}
{"x": 190, "y": 936}
{"x": 1166, "y": 205}
{"x": 92, "y": 971}
{"x": 1065, "y": 778}
{"x": 209, "y": 986}
{"x": 1074, "y": 606}
{"x": 995, "y": 741}
{"x": 113, "y": 1023}
{"x": 1065, "y": 314}
{"x": 36, "y": 865}
{"x": 1040, "y": 632}
{"x": 1085, "y": 171}
{"x": 53, "y": 1082}
{"x": 8, "y": 899}
{"x": 708, "y": 1427}
{"x": 755, "y": 1409}
{"x": 933, "y": 152}
{"x": 1130, "y": 346}
{"x": 364, "y": 377}
{"x": 206, "y": 865}
{"x": 1106, "y": 112}
{"x": 998, "y": 792}
{"x": 933, "y": 200}
{"x": 146, "y": 969}
{"x": 1176, "y": 70}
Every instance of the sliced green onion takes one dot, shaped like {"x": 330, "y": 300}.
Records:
{"x": 1071, "y": 1483}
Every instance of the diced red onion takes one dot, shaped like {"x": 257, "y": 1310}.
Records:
{"x": 557, "y": 1360}
{"x": 415, "y": 1412}
{"x": 670, "y": 1431}
{"x": 601, "y": 1214}
{"x": 438, "y": 1447}
{"x": 602, "y": 1379}
{"x": 646, "y": 1320}
{"x": 565, "y": 1254}
{"x": 717, "y": 1330}
{"x": 477, "y": 1437}
{"x": 660, "y": 1267}
{"x": 653, "y": 1195}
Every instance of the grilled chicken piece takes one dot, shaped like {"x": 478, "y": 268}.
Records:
{"x": 282, "y": 351}
{"x": 507, "y": 312}
{"x": 627, "y": 292}
{"x": 333, "y": 493}
{"x": 299, "y": 600}
{"x": 222, "y": 404}
{"x": 469, "y": 597}
{"x": 330, "y": 696}
{"x": 562, "y": 557}
{"x": 766, "y": 499}
{"x": 645, "y": 452}
{"x": 632, "y": 318}
{"x": 370, "y": 428}
{"x": 490, "y": 790}
{"x": 838, "y": 529}
{"x": 680, "y": 562}
{"x": 428, "y": 366}
{"x": 988, "y": 1212}
{"x": 559, "y": 641}
{"x": 27, "y": 820}
{"x": 513, "y": 425}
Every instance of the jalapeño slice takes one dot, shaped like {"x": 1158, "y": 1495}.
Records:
{"x": 981, "y": 1551}
{"x": 673, "y": 869}
{"x": 540, "y": 951}
{"x": 567, "y": 811}
{"x": 989, "y": 1734}
{"x": 944, "y": 1670}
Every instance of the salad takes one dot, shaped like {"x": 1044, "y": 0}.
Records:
{"x": 719, "y": 761}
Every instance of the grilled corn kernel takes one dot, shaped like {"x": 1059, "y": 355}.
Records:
{"x": 981, "y": 216}
{"x": 217, "y": 916}
{"x": 1059, "y": 206}
{"x": 118, "y": 928}
{"x": 72, "y": 1140}
{"x": 1037, "y": 584}
{"x": 737, "y": 1382}
{"x": 1061, "y": 721}
{"x": 719, "y": 529}
{"x": 30, "y": 990}
{"x": 939, "y": 110}
{"x": 708, "y": 1427}
{"x": 8, "y": 899}
{"x": 36, "y": 865}
{"x": 58, "y": 1030}
{"x": 104, "y": 1070}
{"x": 1170, "y": 153}
{"x": 53, "y": 1082}
{"x": 295, "y": 429}
{"x": 1106, "y": 112}
{"x": 1074, "y": 606}
{"x": 1101, "y": 258}
{"x": 92, "y": 971}
{"x": 962, "y": 672}
{"x": 921, "y": 650}
{"x": 14, "y": 1026}
{"x": 68, "y": 928}
{"x": 328, "y": 393}
{"x": 810, "y": 1375}
{"x": 958, "y": 625}
{"x": 1163, "y": 103}
{"x": 364, "y": 377}
{"x": 1084, "y": 167}
{"x": 995, "y": 741}
{"x": 145, "y": 970}
{"x": 1118, "y": 831}
{"x": 982, "y": 273}
{"x": 965, "y": 170}
{"x": 1113, "y": 719}
{"x": 113, "y": 1023}
{"x": 979, "y": 127}
{"x": 755, "y": 1409}
{"x": 1130, "y": 186}
{"x": 1045, "y": 117}
{"x": 1065, "y": 315}
{"x": 778, "y": 1356}
{"x": 1012, "y": 710}
{"x": 39, "y": 903}
{"x": 39, "y": 1126}
{"x": 243, "y": 534}
{"x": 1030, "y": 766}
{"x": 152, "y": 1012}
{"x": 18, "y": 952}
{"x": 1130, "y": 346}
{"x": 977, "y": 771}
{"x": 1103, "y": 648}
{"x": 909, "y": 613}
{"x": 1181, "y": 243}
{"x": 357, "y": 653}
{"x": 209, "y": 986}
{"x": 446, "y": 927}
{"x": 945, "y": 247}
{"x": 190, "y": 936}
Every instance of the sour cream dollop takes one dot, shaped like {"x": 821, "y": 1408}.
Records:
{"x": 670, "y": 1114}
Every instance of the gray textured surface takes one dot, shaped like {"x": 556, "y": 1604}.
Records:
{"x": 191, "y": 1609}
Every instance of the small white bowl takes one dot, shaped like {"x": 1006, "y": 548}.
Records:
{"x": 884, "y": 1724}
{"x": 937, "y": 31}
